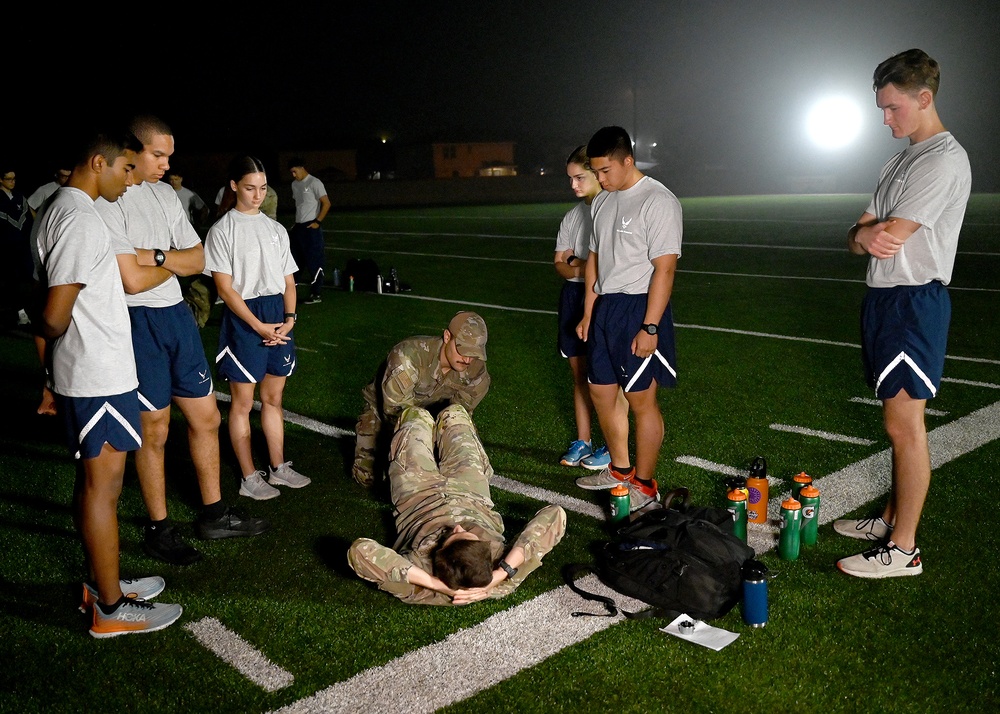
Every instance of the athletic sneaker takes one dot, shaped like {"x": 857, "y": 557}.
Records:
{"x": 606, "y": 478}
{"x": 133, "y": 616}
{"x": 165, "y": 543}
{"x": 22, "y": 318}
{"x": 886, "y": 560}
{"x": 285, "y": 475}
{"x": 312, "y": 300}
{"x": 863, "y": 529}
{"x": 640, "y": 496}
{"x": 576, "y": 452}
{"x": 254, "y": 486}
{"x": 230, "y": 525}
{"x": 597, "y": 460}
{"x": 144, "y": 588}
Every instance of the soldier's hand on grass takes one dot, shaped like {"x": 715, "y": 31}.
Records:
{"x": 470, "y": 595}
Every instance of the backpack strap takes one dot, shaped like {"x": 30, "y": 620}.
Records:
{"x": 570, "y": 572}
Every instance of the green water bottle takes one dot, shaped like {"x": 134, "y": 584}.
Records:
{"x": 791, "y": 519}
{"x": 619, "y": 503}
{"x": 736, "y": 502}
{"x": 799, "y": 481}
{"x": 809, "y": 498}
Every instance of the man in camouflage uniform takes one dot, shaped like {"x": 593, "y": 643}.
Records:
{"x": 437, "y": 502}
{"x": 423, "y": 371}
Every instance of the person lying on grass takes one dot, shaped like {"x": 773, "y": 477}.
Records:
{"x": 450, "y": 548}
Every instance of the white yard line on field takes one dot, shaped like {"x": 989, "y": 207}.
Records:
{"x": 232, "y": 648}
{"x": 829, "y": 436}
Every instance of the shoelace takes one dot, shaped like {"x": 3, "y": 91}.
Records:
{"x": 880, "y": 551}
{"x": 137, "y": 602}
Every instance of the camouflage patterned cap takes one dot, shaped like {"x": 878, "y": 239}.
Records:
{"x": 468, "y": 330}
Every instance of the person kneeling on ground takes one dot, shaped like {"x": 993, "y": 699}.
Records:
{"x": 450, "y": 548}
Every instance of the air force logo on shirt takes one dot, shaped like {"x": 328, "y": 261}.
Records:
{"x": 625, "y": 223}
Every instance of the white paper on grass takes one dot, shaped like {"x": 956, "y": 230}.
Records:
{"x": 714, "y": 638}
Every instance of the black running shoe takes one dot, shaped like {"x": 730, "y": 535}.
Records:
{"x": 230, "y": 525}
{"x": 166, "y": 544}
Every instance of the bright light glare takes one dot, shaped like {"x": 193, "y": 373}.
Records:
{"x": 833, "y": 123}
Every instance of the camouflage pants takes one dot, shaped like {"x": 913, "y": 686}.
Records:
{"x": 461, "y": 460}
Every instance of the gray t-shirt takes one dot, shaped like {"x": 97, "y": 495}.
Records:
{"x": 253, "y": 249}
{"x": 93, "y": 358}
{"x": 150, "y": 215}
{"x": 307, "y": 194}
{"x": 575, "y": 232}
{"x": 928, "y": 183}
{"x": 631, "y": 229}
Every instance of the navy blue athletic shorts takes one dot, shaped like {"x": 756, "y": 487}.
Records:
{"x": 169, "y": 355}
{"x": 904, "y": 337}
{"x": 570, "y": 313}
{"x": 614, "y": 324}
{"x": 243, "y": 356}
{"x": 92, "y": 422}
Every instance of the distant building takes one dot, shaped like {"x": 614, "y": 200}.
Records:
{"x": 471, "y": 159}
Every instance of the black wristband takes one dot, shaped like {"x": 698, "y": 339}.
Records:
{"x": 294, "y": 316}
{"x": 511, "y": 571}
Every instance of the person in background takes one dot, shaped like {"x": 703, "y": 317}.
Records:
{"x": 195, "y": 208}
{"x": 572, "y": 250}
{"x": 910, "y": 234}
{"x": 16, "y": 219}
{"x": 270, "y": 205}
{"x": 311, "y": 206}
{"x": 249, "y": 257}
{"x": 38, "y": 196}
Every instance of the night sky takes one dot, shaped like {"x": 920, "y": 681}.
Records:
{"x": 722, "y": 88}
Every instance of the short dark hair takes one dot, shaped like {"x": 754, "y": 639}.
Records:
{"x": 464, "y": 564}
{"x": 909, "y": 71}
{"x": 579, "y": 156}
{"x": 108, "y": 143}
{"x": 243, "y": 165}
{"x": 146, "y": 126}
{"x": 296, "y": 161}
{"x": 611, "y": 142}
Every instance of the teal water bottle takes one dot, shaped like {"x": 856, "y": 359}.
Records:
{"x": 809, "y": 498}
{"x": 619, "y": 503}
{"x": 791, "y": 520}
{"x": 736, "y": 502}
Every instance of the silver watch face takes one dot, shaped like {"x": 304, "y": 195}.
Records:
{"x": 650, "y": 328}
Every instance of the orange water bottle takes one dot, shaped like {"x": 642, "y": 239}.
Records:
{"x": 757, "y": 488}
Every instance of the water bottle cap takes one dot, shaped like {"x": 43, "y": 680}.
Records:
{"x": 736, "y": 495}
{"x": 790, "y": 504}
{"x": 755, "y": 570}
{"x": 809, "y": 491}
{"x": 620, "y": 490}
{"x": 758, "y": 467}
{"x": 802, "y": 477}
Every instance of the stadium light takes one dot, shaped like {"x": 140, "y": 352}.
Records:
{"x": 833, "y": 122}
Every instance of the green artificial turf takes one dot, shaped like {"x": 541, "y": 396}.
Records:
{"x": 833, "y": 643}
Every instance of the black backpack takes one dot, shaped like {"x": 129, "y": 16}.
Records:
{"x": 365, "y": 272}
{"x": 679, "y": 559}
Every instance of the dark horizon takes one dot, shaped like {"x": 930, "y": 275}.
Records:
{"x": 722, "y": 89}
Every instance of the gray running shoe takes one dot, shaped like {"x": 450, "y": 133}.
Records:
{"x": 133, "y": 616}
{"x": 144, "y": 588}
{"x": 254, "y": 486}
{"x": 600, "y": 481}
{"x": 285, "y": 475}
{"x": 863, "y": 529}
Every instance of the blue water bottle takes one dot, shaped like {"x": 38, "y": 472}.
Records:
{"x": 754, "y": 605}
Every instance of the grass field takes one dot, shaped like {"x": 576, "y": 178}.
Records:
{"x": 766, "y": 301}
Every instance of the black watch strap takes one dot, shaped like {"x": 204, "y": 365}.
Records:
{"x": 650, "y": 328}
{"x": 159, "y": 256}
{"x": 511, "y": 572}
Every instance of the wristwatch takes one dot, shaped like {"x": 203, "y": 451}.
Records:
{"x": 511, "y": 572}
{"x": 294, "y": 316}
{"x": 649, "y": 328}
{"x": 160, "y": 257}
